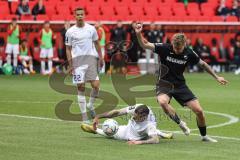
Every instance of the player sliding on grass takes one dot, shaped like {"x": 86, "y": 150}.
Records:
{"x": 176, "y": 57}
{"x": 141, "y": 128}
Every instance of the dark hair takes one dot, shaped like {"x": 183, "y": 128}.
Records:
{"x": 79, "y": 9}
{"x": 46, "y": 22}
{"x": 14, "y": 19}
{"x": 142, "y": 110}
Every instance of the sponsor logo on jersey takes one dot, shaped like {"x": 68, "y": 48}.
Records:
{"x": 174, "y": 60}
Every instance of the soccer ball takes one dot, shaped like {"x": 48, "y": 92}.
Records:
{"x": 110, "y": 127}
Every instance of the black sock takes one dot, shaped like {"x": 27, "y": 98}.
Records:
{"x": 175, "y": 118}
{"x": 203, "y": 130}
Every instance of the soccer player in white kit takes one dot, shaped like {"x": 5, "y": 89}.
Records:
{"x": 141, "y": 127}
{"x": 83, "y": 54}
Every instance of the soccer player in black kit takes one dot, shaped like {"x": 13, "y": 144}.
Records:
{"x": 176, "y": 57}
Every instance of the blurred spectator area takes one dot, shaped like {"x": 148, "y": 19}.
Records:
{"x": 30, "y": 31}
{"x": 125, "y": 10}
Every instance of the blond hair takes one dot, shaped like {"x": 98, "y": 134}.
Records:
{"x": 179, "y": 39}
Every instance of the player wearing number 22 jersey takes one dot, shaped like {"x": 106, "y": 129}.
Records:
{"x": 83, "y": 53}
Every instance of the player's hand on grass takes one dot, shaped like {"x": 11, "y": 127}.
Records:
{"x": 134, "y": 142}
{"x": 138, "y": 27}
{"x": 222, "y": 81}
{"x": 95, "y": 123}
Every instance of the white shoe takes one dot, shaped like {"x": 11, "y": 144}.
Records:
{"x": 184, "y": 128}
{"x": 208, "y": 139}
{"x": 25, "y": 71}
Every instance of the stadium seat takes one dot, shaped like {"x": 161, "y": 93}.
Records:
{"x": 63, "y": 10}
{"x": 232, "y": 19}
{"x": 58, "y": 17}
{"x": 136, "y": 10}
{"x": 10, "y": 16}
{"x": 42, "y": 18}
{"x": 217, "y": 18}
{"x": 122, "y": 10}
{"x": 51, "y": 9}
{"x": 4, "y": 10}
{"x": 26, "y": 18}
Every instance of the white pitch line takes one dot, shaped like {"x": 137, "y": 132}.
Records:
{"x": 58, "y": 120}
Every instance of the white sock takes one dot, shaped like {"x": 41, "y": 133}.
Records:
{"x": 161, "y": 133}
{"x": 82, "y": 105}
{"x": 1, "y": 63}
{"x": 9, "y": 59}
{"x": 43, "y": 67}
{"x": 50, "y": 64}
{"x": 100, "y": 132}
{"x": 15, "y": 61}
{"x": 93, "y": 96}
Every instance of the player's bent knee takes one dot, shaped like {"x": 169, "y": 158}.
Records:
{"x": 199, "y": 112}
{"x": 81, "y": 87}
{"x": 163, "y": 103}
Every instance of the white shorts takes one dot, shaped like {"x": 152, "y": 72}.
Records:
{"x": 84, "y": 73}
{"x": 12, "y": 49}
{"x": 25, "y": 58}
{"x": 88, "y": 71}
{"x": 46, "y": 53}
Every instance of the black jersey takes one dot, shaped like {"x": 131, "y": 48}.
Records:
{"x": 176, "y": 63}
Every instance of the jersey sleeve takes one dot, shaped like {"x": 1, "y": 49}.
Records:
{"x": 68, "y": 39}
{"x": 131, "y": 109}
{"x": 151, "y": 130}
{"x": 95, "y": 35}
{"x": 159, "y": 48}
{"x": 194, "y": 58}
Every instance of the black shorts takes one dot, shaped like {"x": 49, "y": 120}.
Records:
{"x": 181, "y": 93}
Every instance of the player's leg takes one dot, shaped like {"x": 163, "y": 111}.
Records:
{"x": 9, "y": 50}
{"x": 92, "y": 77}
{"x": 23, "y": 60}
{"x": 89, "y": 129}
{"x": 31, "y": 65}
{"x": 163, "y": 100}
{"x": 164, "y": 135}
{"x": 50, "y": 62}
{"x": 43, "y": 59}
{"x": 15, "y": 54}
{"x": 195, "y": 106}
{"x": 82, "y": 101}
{"x": 93, "y": 95}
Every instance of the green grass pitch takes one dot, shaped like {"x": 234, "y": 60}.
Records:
{"x": 25, "y": 137}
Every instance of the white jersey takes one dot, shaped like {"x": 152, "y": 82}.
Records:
{"x": 137, "y": 130}
{"x": 82, "y": 40}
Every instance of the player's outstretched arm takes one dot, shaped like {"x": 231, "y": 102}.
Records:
{"x": 207, "y": 68}
{"x": 142, "y": 41}
{"x": 110, "y": 114}
{"x": 151, "y": 140}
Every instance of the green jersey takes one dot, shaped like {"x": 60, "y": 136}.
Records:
{"x": 14, "y": 37}
{"x": 46, "y": 39}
